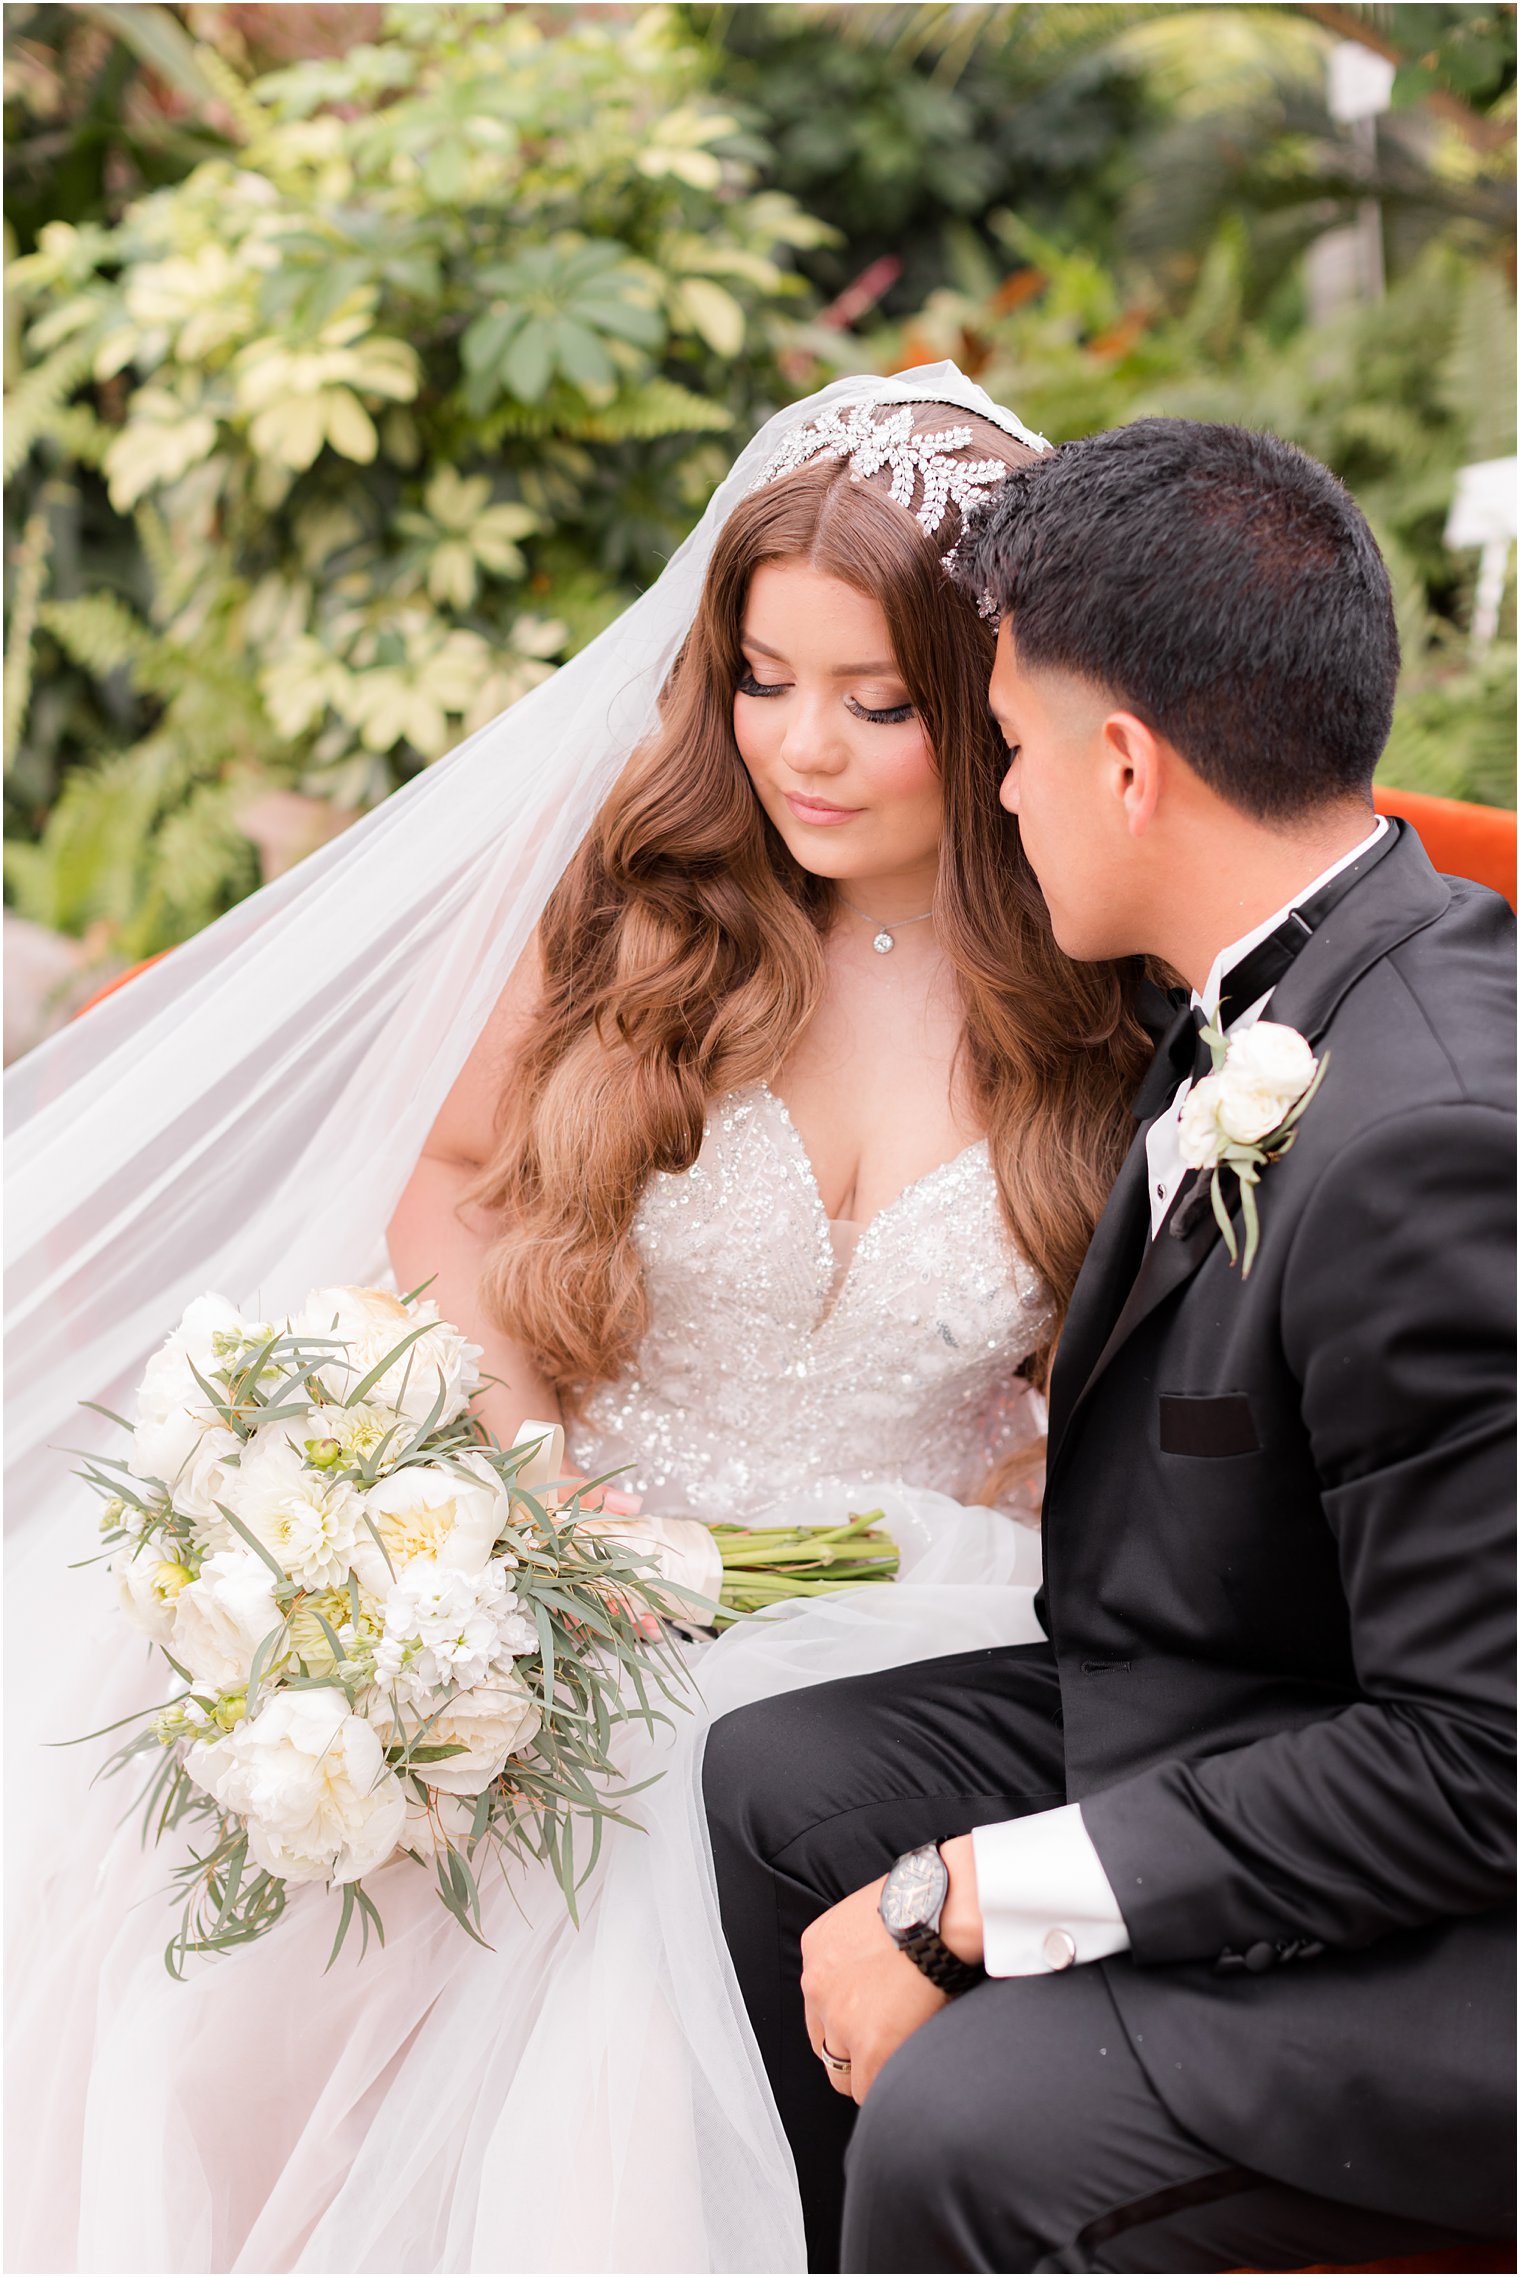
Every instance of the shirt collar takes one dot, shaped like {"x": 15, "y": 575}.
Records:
{"x": 1227, "y": 959}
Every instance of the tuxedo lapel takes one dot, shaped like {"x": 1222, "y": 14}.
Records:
{"x": 1400, "y": 896}
{"x": 1107, "y": 1275}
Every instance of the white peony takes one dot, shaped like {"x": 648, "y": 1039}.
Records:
{"x": 447, "y": 1631}
{"x": 370, "y": 1323}
{"x": 222, "y": 1618}
{"x": 178, "y": 1439}
{"x": 310, "y": 1524}
{"x": 430, "y": 1511}
{"x": 494, "y": 1721}
{"x": 210, "y": 1331}
{"x": 189, "y": 1454}
{"x": 312, "y": 1783}
{"x": 1267, "y": 1069}
{"x": 442, "y": 1823}
{"x": 149, "y": 1586}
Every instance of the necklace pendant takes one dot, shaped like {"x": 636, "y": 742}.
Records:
{"x": 883, "y": 942}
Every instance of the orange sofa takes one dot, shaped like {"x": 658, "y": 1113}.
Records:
{"x": 1465, "y": 841}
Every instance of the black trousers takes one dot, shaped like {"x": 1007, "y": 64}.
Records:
{"x": 1016, "y": 2130}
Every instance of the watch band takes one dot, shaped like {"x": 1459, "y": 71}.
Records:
{"x": 929, "y": 1952}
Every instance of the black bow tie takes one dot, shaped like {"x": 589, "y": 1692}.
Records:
{"x": 1181, "y": 1051}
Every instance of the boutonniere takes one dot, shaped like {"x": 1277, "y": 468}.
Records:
{"x": 1242, "y": 1116}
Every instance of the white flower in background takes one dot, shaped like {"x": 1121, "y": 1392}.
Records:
{"x": 370, "y": 1323}
{"x": 492, "y": 1723}
{"x": 429, "y": 1510}
{"x": 149, "y": 1585}
{"x": 1266, "y": 1070}
{"x": 310, "y": 1524}
{"x": 311, "y": 1781}
{"x": 222, "y": 1617}
{"x": 445, "y": 1631}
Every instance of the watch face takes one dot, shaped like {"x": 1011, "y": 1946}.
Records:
{"x": 915, "y": 1890}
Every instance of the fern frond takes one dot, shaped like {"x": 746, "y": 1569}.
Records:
{"x": 40, "y": 393}
{"x": 99, "y": 633}
{"x": 1478, "y": 375}
{"x": 79, "y": 435}
{"x": 642, "y": 415}
{"x": 159, "y": 550}
{"x": 234, "y": 94}
{"x": 33, "y": 557}
{"x": 87, "y": 865}
{"x": 201, "y": 858}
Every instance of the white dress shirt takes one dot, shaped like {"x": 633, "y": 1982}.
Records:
{"x": 1045, "y": 1900}
{"x": 1163, "y": 1148}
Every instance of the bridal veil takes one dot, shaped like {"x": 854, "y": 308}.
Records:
{"x": 243, "y": 1117}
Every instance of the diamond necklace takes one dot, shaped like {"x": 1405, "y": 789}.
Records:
{"x": 886, "y": 937}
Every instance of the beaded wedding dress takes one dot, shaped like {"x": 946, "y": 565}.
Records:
{"x": 579, "y": 2098}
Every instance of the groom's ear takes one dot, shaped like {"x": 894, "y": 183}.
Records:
{"x": 1136, "y": 765}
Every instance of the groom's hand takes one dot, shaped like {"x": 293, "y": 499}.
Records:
{"x": 863, "y": 1996}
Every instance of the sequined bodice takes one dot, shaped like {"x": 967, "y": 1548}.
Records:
{"x": 763, "y": 1371}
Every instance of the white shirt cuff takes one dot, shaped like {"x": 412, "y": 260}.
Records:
{"x": 1046, "y": 1901}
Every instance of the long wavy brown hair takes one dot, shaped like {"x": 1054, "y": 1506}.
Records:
{"x": 682, "y": 953}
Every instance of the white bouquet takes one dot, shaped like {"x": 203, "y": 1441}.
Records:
{"x": 385, "y": 1639}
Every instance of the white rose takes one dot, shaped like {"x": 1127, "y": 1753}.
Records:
{"x": 1200, "y": 1140}
{"x": 312, "y": 1783}
{"x": 1277, "y": 1058}
{"x": 370, "y": 1323}
{"x": 149, "y": 1585}
{"x": 430, "y": 1511}
{"x": 1266, "y": 1072}
{"x": 310, "y": 1524}
{"x": 493, "y": 1722}
{"x": 223, "y": 1617}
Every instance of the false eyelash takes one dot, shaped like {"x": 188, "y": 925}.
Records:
{"x": 893, "y": 716}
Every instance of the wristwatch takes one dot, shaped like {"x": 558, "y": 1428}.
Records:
{"x": 911, "y": 1904}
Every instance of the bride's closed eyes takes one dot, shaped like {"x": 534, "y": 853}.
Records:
{"x": 892, "y": 716}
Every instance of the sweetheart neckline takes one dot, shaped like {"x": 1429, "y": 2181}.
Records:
{"x": 835, "y": 1303}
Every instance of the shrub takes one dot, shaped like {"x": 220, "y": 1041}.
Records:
{"x": 328, "y": 451}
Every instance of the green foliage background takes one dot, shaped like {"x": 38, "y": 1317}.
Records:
{"x": 351, "y": 392}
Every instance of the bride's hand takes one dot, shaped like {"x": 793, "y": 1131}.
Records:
{"x": 603, "y": 1498}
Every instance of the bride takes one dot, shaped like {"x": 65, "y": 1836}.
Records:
{"x": 698, "y": 1031}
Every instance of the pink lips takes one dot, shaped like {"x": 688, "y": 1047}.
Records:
{"x": 818, "y": 810}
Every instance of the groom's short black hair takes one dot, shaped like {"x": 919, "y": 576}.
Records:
{"x": 1222, "y": 584}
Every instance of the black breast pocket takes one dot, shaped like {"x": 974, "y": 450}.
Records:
{"x": 1208, "y": 1423}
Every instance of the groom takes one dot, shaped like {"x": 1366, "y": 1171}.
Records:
{"x": 1184, "y": 1940}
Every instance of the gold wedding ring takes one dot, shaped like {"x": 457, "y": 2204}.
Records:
{"x": 839, "y": 2064}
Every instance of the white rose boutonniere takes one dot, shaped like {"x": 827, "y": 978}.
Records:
{"x": 1242, "y": 1116}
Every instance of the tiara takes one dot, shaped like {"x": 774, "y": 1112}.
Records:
{"x": 917, "y": 461}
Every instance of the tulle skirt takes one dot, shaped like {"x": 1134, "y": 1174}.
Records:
{"x": 571, "y": 2099}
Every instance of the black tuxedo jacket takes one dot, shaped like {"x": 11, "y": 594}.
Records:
{"x": 1278, "y": 1543}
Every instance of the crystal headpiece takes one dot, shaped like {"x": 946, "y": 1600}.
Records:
{"x": 852, "y": 431}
